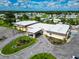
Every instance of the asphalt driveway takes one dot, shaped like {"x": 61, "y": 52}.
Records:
{"x": 65, "y": 51}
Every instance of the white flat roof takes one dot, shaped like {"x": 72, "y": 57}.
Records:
{"x": 41, "y": 25}
{"x": 25, "y": 23}
{"x": 58, "y": 28}
{"x": 33, "y": 30}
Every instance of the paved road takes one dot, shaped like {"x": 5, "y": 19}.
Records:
{"x": 65, "y": 51}
{"x": 6, "y": 41}
{"x": 7, "y": 32}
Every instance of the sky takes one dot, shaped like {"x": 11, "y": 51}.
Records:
{"x": 39, "y": 5}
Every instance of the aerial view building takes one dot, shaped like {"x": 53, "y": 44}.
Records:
{"x": 32, "y": 27}
{"x": 22, "y": 25}
{"x": 39, "y": 29}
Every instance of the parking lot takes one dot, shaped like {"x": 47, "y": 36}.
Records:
{"x": 65, "y": 51}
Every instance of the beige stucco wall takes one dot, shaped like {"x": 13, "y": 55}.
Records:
{"x": 21, "y": 28}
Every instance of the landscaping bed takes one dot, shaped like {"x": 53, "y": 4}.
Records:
{"x": 18, "y": 44}
{"x": 43, "y": 56}
{"x": 55, "y": 41}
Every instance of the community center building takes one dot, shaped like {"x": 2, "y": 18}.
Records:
{"x": 34, "y": 28}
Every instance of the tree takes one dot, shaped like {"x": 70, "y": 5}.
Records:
{"x": 70, "y": 21}
{"x": 63, "y": 20}
{"x": 10, "y": 18}
{"x": 23, "y": 17}
{"x": 37, "y": 18}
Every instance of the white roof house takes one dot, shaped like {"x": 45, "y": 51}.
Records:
{"x": 25, "y": 23}
{"x": 41, "y": 25}
{"x": 71, "y": 16}
{"x": 56, "y": 20}
{"x": 58, "y": 28}
{"x": 59, "y": 31}
{"x": 33, "y": 30}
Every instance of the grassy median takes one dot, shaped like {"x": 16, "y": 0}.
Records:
{"x": 18, "y": 44}
{"x": 43, "y": 56}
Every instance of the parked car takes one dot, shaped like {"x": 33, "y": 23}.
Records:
{"x": 75, "y": 57}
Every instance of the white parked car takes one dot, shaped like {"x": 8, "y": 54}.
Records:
{"x": 74, "y": 57}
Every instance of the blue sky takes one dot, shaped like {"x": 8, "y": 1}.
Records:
{"x": 39, "y": 5}
{"x": 13, "y": 1}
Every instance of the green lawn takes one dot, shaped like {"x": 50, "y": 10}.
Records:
{"x": 45, "y": 16}
{"x": 4, "y": 24}
{"x": 18, "y": 44}
{"x": 43, "y": 56}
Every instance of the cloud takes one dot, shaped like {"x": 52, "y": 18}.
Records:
{"x": 73, "y": 4}
{"x": 42, "y": 5}
{"x": 5, "y": 2}
{"x": 23, "y": 0}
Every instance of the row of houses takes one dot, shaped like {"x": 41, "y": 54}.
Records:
{"x": 72, "y": 15}
{"x": 32, "y": 28}
{"x": 54, "y": 17}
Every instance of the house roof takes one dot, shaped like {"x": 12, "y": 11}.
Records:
{"x": 25, "y": 23}
{"x": 34, "y": 30}
{"x": 35, "y": 26}
{"x": 41, "y": 25}
{"x": 58, "y": 28}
